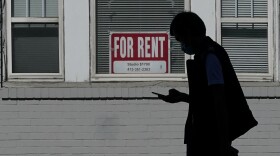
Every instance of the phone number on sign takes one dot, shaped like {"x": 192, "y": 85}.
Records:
{"x": 138, "y": 69}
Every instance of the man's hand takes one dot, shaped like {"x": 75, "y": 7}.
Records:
{"x": 174, "y": 96}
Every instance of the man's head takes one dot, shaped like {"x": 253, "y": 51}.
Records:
{"x": 188, "y": 28}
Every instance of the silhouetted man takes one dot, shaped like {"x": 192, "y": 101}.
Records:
{"x": 218, "y": 111}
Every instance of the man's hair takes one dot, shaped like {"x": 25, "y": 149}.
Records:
{"x": 187, "y": 24}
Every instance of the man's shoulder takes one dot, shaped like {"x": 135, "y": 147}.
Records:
{"x": 217, "y": 50}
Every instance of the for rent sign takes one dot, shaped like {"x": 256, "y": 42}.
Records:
{"x": 139, "y": 52}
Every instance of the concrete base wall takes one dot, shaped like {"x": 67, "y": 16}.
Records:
{"x": 113, "y": 127}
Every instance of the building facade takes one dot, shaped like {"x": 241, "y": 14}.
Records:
{"x": 77, "y": 75}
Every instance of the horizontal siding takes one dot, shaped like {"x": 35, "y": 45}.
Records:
{"x": 126, "y": 91}
{"x": 117, "y": 127}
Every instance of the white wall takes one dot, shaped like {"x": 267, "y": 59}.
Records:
{"x": 146, "y": 127}
{"x": 77, "y": 55}
{"x": 206, "y": 10}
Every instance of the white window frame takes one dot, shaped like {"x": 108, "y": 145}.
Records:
{"x": 35, "y": 76}
{"x": 276, "y": 17}
{"x": 125, "y": 77}
{"x": 270, "y": 76}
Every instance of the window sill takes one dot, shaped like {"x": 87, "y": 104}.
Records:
{"x": 93, "y": 84}
{"x": 101, "y": 90}
{"x": 61, "y": 84}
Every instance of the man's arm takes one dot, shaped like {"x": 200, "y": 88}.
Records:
{"x": 182, "y": 97}
{"x": 175, "y": 96}
{"x": 217, "y": 91}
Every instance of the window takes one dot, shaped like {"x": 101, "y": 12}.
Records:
{"x": 245, "y": 31}
{"x": 34, "y": 35}
{"x": 134, "y": 16}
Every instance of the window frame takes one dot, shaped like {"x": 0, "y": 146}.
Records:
{"x": 94, "y": 77}
{"x": 271, "y": 75}
{"x": 33, "y": 20}
{"x": 276, "y": 40}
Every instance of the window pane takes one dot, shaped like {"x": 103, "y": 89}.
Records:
{"x": 51, "y": 8}
{"x": 260, "y": 8}
{"x": 244, "y": 8}
{"x": 134, "y": 16}
{"x": 35, "y": 8}
{"x": 35, "y": 48}
{"x": 18, "y": 8}
{"x": 247, "y": 46}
